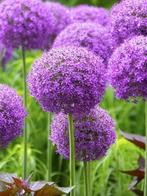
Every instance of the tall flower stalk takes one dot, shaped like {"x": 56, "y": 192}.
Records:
{"x": 49, "y": 148}
{"x": 87, "y": 178}
{"x": 25, "y": 124}
{"x": 145, "y": 185}
{"x": 72, "y": 153}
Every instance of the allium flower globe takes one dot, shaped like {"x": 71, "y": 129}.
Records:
{"x": 87, "y": 13}
{"x": 25, "y": 23}
{"x": 128, "y": 18}
{"x": 94, "y": 134}
{"x": 93, "y": 37}
{"x": 68, "y": 79}
{"x": 12, "y": 115}
{"x": 128, "y": 68}
{"x": 60, "y": 17}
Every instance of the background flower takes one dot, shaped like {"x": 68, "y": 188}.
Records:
{"x": 87, "y": 13}
{"x": 12, "y": 115}
{"x": 128, "y": 18}
{"x": 128, "y": 68}
{"x": 94, "y": 134}
{"x": 26, "y": 23}
{"x": 93, "y": 37}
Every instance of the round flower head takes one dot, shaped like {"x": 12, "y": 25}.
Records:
{"x": 128, "y": 18}
{"x": 93, "y": 37}
{"x": 86, "y": 13}
{"x": 128, "y": 68}
{"x": 5, "y": 55}
{"x": 12, "y": 115}
{"x": 26, "y": 23}
{"x": 60, "y": 17}
{"x": 68, "y": 79}
{"x": 94, "y": 134}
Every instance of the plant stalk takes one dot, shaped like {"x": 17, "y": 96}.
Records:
{"x": 87, "y": 178}
{"x": 25, "y": 123}
{"x": 49, "y": 148}
{"x": 145, "y": 184}
{"x": 72, "y": 153}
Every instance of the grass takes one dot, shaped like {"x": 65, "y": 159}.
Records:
{"x": 106, "y": 178}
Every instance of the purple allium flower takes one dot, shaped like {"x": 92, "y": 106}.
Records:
{"x": 93, "y": 37}
{"x": 128, "y": 18}
{"x": 94, "y": 134}
{"x": 68, "y": 79}
{"x": 5, "y": 55}
{"x": 25, "y": 23}
{"x": 12, "y": 115}
{"x": 87, "y": 13}
{"x": 128, "y": 68}
{"x": 60, "y": 17}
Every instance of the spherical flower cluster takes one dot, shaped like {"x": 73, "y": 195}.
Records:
{"x": 68, "y": 79}
{"x": 93, "y": 37}
{"x": 12, "y": 115}
{"x": 128, "y": 18}
{"x": 25, "y": 23}
{"x": 5, "y": 55}
{"x": 86, "y": 13}
{"x": 128, "y": 68}
{"x": 60, "y": 17}
{"x": 94, "y": 134}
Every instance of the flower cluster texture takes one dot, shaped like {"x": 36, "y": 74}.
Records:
{"x": 128, "y": 68}
{"x": 87, "y": 13}
{"x": 128, "y": 18}
{"x": 25, "y": 23}
{"x": 68, "y": 79}
{"x": 60, "y": 17}
{"x": 93, "y": 37}
{"x": 12, "y": 115}
{"x": 94, "y": 134}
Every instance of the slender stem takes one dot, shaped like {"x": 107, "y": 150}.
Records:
{"x": 145, "y": 184}
{"x": 25, "y": 124}
{"x": 49, "y": 148}
{"x": 72, "y": 153}
{"x": 87, "y": 178}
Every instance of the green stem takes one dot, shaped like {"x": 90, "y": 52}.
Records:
{"x": 72, "y": 153}
{"x": 145, "y": 184}
{"x": 49, "y": 148}
{"x": 25, "y": 123}
{"x": 87, "y": 178}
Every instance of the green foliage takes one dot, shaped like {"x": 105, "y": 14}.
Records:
{"x": 106, "y": 177}
{"x": 102, "y": 3}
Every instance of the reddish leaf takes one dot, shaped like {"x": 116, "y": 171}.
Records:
{"x": 136, "y": 172}
{"x": 138, "y": 140}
